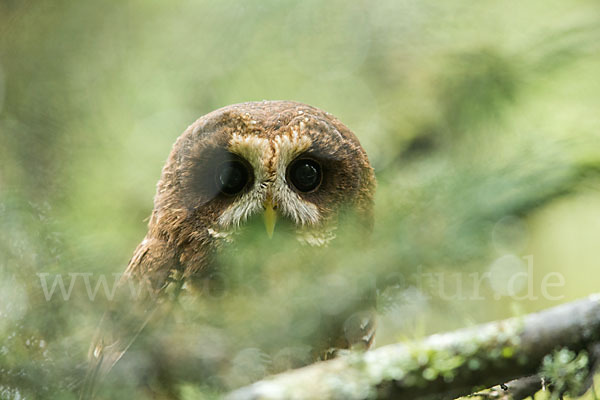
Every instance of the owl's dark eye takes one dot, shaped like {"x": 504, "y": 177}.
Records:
{"x": 305, "y": 174}
{"x": 232, "y": 177}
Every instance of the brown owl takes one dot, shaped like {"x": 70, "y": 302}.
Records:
{"x": 281, "y": 159}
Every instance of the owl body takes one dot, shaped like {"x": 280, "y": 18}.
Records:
{"x": 273, "y": 157}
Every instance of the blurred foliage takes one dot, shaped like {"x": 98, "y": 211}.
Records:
{"x": 567, "y": 370}
{"x": 481, "y": 120}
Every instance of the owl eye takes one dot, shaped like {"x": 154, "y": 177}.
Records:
{"x": 232, "y": 177}
{"x": 305, "y": 174}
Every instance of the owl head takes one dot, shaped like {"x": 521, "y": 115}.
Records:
{"x": 281, "y": 159}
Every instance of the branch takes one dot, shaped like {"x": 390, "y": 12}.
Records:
{"x": 442, "y": 366}
{"x": 517, "y": 389}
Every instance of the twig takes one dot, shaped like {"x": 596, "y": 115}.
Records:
{"x": 517, "y": 389}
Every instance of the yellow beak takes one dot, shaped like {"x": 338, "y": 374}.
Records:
{"x": 270, "y": 217}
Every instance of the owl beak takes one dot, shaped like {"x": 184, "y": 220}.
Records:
{"x": 270, "y": 217}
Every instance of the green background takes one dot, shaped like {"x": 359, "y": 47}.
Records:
{"x": 481, "y": 119}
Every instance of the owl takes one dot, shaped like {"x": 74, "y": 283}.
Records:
{"x": 280, "y": 159}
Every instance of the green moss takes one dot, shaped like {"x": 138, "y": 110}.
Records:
{"x": 422, "y": 364}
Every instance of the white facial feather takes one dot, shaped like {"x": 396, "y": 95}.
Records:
{"x": 269, "y": 161}
{"x": 255, "y": 151}
{"x": 287, "y": 148}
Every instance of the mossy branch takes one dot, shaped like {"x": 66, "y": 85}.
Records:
{"x": 442, "y": 366}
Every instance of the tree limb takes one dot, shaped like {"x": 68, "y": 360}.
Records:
{"x": 516, "y": 389}
{"x": 442, "y": 366}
